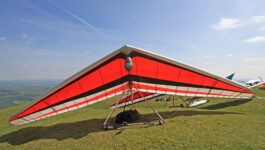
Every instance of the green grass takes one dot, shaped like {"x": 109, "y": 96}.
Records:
{"x": 219, "y": 124}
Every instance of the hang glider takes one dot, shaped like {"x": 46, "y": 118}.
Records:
{"x": 110, "y": 76}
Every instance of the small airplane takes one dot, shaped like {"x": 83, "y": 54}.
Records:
{"x": 254, "y": 83}
{"x": 249, "y": 83}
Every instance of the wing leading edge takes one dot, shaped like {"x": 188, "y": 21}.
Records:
{"x": 151, "y": 73}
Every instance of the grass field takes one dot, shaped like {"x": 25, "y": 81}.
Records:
{"x": 219, "y": 124}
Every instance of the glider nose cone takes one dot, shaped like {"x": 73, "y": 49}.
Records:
{"x": 128, "y": 64}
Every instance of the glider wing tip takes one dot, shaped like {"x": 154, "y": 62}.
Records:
{"x": 11, "y": 122}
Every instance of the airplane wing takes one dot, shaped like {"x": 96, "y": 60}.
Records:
{"x": 256, "y": 85}
{"x": 108, "y": 77}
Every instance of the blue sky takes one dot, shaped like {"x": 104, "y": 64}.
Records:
{"x": 48, "y": 39}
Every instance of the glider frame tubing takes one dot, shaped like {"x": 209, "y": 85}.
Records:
{"x": 170, "y": 96}
{"x": 129, "y": 86}
{"x": 131, "y": 94}
{"x": 187, "y": 104}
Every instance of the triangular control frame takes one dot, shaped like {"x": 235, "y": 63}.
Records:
{"x": 129, "y": 88}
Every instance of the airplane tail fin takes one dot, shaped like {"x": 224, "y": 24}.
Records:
{"x": 261, "y": 79}
{"x": 230, "y": 76}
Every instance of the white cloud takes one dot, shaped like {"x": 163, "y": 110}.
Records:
{"x": 25, "y": 66}
{"x": 41, "y": 53}
{"x": 262, "y": 27}
{"x": 229, "y": 55}
{"x": 256, "y": 67}
{"x": 50, "y": 21}
{"x": 3, "y": 38}
{"x": 257, "y": 19}
{"x": 208, "y": 56}
{"x": 256, "y": 39}
{"x": 255, "y": 59}
{"x": 28, "y": 39}
{"x": 24, "y": 36}
{"x": 58, "y": 25}
{"x": 83, "y": 21}
{"x": 227, "y": 23}
{"x": 87, "y": 52}
{"x": 207, "y": 63}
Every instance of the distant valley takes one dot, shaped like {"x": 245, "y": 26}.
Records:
{"x": 13, "y": 92}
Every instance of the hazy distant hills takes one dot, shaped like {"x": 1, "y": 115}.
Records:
{"x": 13, "y": 92}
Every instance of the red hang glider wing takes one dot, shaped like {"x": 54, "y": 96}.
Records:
{"x": 108, "y": 77}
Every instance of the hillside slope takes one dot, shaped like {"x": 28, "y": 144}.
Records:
{"x": 219, "y": 124}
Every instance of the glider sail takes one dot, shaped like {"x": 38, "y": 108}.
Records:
{"x": 149, "y": 73}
